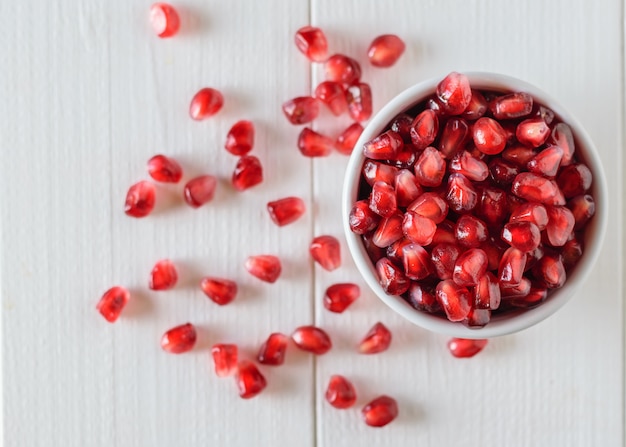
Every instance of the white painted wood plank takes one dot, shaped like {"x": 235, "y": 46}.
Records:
{"x": 557, "y": 384}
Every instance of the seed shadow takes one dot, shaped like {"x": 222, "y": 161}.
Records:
{"x": 189, "y": 276}
{"x": 235, "y": 104}
{"x": 409, "y": 412}
{"x": 139, "y": 304}
{"x": 245, "y": 293}
{"x": 192, "y": 19}
{"x": 168, "y": 199}
{"x": 206, "y": 337}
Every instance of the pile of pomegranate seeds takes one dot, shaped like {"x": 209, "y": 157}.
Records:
{"x": 473, "y": 203}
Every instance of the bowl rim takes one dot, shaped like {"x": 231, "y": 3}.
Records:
{"x": 515, "y": 321}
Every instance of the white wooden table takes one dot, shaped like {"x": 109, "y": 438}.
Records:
{"x": 89, "y": 94}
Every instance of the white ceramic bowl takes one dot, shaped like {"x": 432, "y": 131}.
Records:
{"x": 499, "y": 324}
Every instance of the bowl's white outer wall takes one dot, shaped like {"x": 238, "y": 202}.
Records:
{"x": 506, "y": 324}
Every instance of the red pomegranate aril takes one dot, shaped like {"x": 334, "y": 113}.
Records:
{"x": 550, "y": 272}
{"x": 561, "y": 223}
{"x": 489, "y": 136}
{"x": 272, "y": 351}
{"x": 546, "y": 162}
{"x": 533, "y": 256}
{"x": 535, "y": 188}
{"x": 472, "y": 168}
{"x": 314, "y": 144}
{"x": 461, "y": 195}
{"x": 421, "y": 297}
{"x": 406, "y": 188}
{"x": 524, "y": 236}
{"x": 502, "y": 172}
{"x": 311, "y": 41}
{"x": 520, "y": 290}
{"x": 225, "y": 358}
{"x": 112, "y": 303}
{"x": 383, "y": 199}
{"x": 265, "y": 267}
{"x": 377, "y": 339}
{"x": 494, "y": 249}
{"x": 514, "y": 105}
{"x": 333, "y": 95}
{"x": 221, "y": 291}
{"x": 464, "y": 348}
{"x": 416, "y": 262}
{"x": 206, "y": 103}
{"x": 532, "y": 132}
{"x": 470, "y": 231}
{"x": 424, "y": 129}
{"x": 533, "y": 298}
{"x": 199, "y": 190}
{"x": 574, "y": 180}
{"x": 454, "y": 93}
{"x": 384, "y": 147}
{"x": 492, "y": 206}
{"x": 385, "y": 50}
{"x": 530, "y": 212}
{"x": 406, "y": 158}
{"x": 163, "y": 275}
{"x": 389, "y": 231}
{"x": 285, "y": 211}
{"x": 545, "y": 114}
{"x": 583, "y": 208}
{"x": 343, "y": 69}
{"x": 164, "y": 169}
{"x": 418, "y": 229}
{"x": 511, "y": 268}
{"x": 391, "y": 277}
{"x": 395, "y": 253}
{"x": 445, "y": 233}
{"x": 140, "y": 199}
{"x": 380, "y": 411}
{"x": 340, "y": 392}
{"x": 519, "y": 155}
{"x": 250, "y": 381}
{"x": 326, "y": 251}
{"x": 469, "y": 267}
{"x": 362, "y": 219}
{"x": 346, "y": 141}
{"x": 339, "y": 296}
{"x": 562, "y": 136}
{"x": 374, "y": 252}
{"x": 454, "y": 299}
{"x": 374, "y": 171}
{"x": 301, "y": 110}
{"x": 179, "y": 339}
{"x": 477, "y": 318}
{"x": 164, "y": 19}
{"x": 453, "y": 137}
{"x": 359, "y": 98}
{"x": 476, "y": 108}
{"x": 430, "y": 205}
{"x": 248, "y": 173}
{"x": 402, "y": 125}
{"x": 312, "y": 339}
{"x": 240, "y": 138}
{"x": 487, "y": 292}
{"x": 430, "y": 168}
{"x": 443, "y": 257}
{"x": 571, "y": 252}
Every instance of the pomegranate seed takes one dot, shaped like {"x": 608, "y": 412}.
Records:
{"x": 487, "y": 293}
{"x": 537, "y": 189}
{"x": 514, "y": 105}
{"x": 531, "y": 212}
{"x": 285, "y": 211}
{"x": 389, "y": 230}
{"x": 533, "y": 298}
{"x": 164, "y": 19}
{"x": 423, "y": 298}
{"x": 346, "y": 141}
{"x": 430, "y": 168}
{"x": 583, "y": 208}
{"x": 418, "y": 229}
{"x": 377, "y": 339}
{"x": 339, "y": 296}
{"x": 402, "y": 124}
{"x": 461, "y": 195}
{"x": 518, "y": 155}
{"x": 163, "y": 275}
{"x": 249, "y": 379}
{"x": 477, "y": 318}
{"x": 385, "y": 50}
{"x": 518, "y": 291}
{"x": 572, "y": 251}
{"x": 444, "y": 233}
{"x": 326, "y": 251}
{"x": 220, "y": 291}
{"x": 546, "y": 162}
{"x": 511, "y": 267}
{"x": 225, "y": 359}
{"x": 374, "y": 171}
{"x": 179, "y": 339}
{"x": 359, "y": 98}
{"x": 550, "y": 272}
{"x": 333, "y": 95}
{"x": 380, "y": 411}
{"x": 343, "y": 69}
{"x": 265, "y": 267}
{"x": 140, "y": 199}
{"x": 391, "y": 278}
{"x": 533, "y": 256}
{"x": 206, "y": 103}
{"x": 312, "y": 339}
{"x": 373, "y": 251}
{"x": 453, "y": 137}
{"x": 492, "y": 206}
{"x": 200, "y": 190}
{"x": 524, "y": 236}
{"x": 395, "y": 253}
{"x": 489, "y": 136}
{"x": 240, "y": 138}
{"x": 562, "y": 136}
{"x": 464, "y": 348}
{"x": 494, "y": 248}
{"x": 469, "y": 267}
{"x": 443, "y": 257}
{"x": 532, "y": 132}
{"x": 560, "y": 225}
{"x": 545, "y": 114}
{"x": 454, "y": 299}
{"x": 311, "y": 41}
{"x": 406, "y": 188}
{"x": 416, "y": 262}
{"x": 574, "y": 180}
{"x": 164, "y": 169}
{"x": 502, "y": 172}
{"x": 112, "y": 303}
{"x": 362, "y": 219}
{"x": 430, "y": 205}
{"x": 454, "y": 93}
{"x": 470, "y": 231}
{"x": 272, "y": 351}
{"x": 424, "y": 129}
{"x": 476, "y": 107}
{"x": 248, "y": 173}
{"x": 301, "y": 110}
{"x": 383, "y": 199}
{"x": 472, "y": 168}
{"x": 340, "y": 392}
{"x": 384, "y": 147}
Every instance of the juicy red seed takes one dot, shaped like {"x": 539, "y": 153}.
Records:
{"x": 489, "y": 136}
{"x": 424, "y": 129}
{"x": 534, "y": 188}
{"x": 433, "y": 103}
{"x": 561, "y": 223}
{"x": 532, "y": 132}
{"x": 374, "y": 171}
{"x": 520, "y": 290}
{"x": 443, "y": 257}
{"x": 200, "y": 190}
{"x": 326, "y": 251}
{"x": 272, "y": 351}
{"x": 112, "y": 303}
{"x": 494, "y": 248}
{"x": 179, "y": 339}
{"x": 343, "y": 69}
{"x": 359, "y": 98}
{"x": 545, "y": 114}
{"x": 383, "y": 199}
{"x": 533, "y": 256}
{"x": 225, "y": 358}
{"x": 240, "y": 138}
{"x": 406, "y": 188}
{"x": 574, "y": 180}
{"x": 339, "y": 296}
{"x": 550, "y": 272}
{"x": 477, "y": 318}
{"x": 301, "y": 110}
{"x": 220, "y": 291}
{"x": 402, "y": 124}
{"x": 395, "y": 253}
{"x": 463, "y": 347}
{"x": 562, "y": 136}
{"x": 492, "y": 206}
{"x": 418, "y": 229}
{"x": 416, "y": 262}
{"x": 373, "y": 251}
{"x": 312, "y": 339}
{"x": 346, "y": 141}
{"x": 362, "y": 219}
{"x": 514, "y": 105}
{"x": 518, "y": 155}
{"x": 469, "y": 267}
{"x": 206, "y": 103}
{"x": 140, "y": 199}
{"x": 472, "y": 168}
{"x": 533, "y": 298}
{"x": 546, "y": 162}
{"x": 391, "y": 278}
{"x": 572, "y": 252}
{"x": 454, "y": 93}
{"x": 511, "y": 269}
{"x": 453, "y": 137}
{"x": 340, "y": 392}
{"x": 164, "y": 19}
{"x": 249, "y": 380}
{"x": 454, "y": 299}
{"x": 384, "y": 147}
{"x": 476, "y": 107}
{"x": 524, "y": 236}
{"x": 444, "y": 233}
{"x": 164, "y": 169}
{"x": 430, "y": 168}
{"x": 583, "y": 208}
{"x": 430, "y": 205}
{"x": 502, "y": 172}
{"x": 248, "y": 173}
{"x": 389, "y": 230}
{"x": 377, "y": 339}
{"x": 461, "y": 195}
{"x": 385, "y": 50}
{"x": 285, "y": 211}
{"x": 265, "y": 267}
{"x": 333, "y": 95}
{"x": 380, "y": 412}
{"x": 531, "y": 212}
{"x": 311, "y": 41}
{"x": 422, "y": 298}
{"x": 487, "y": 293}
{"x": 163, "y": 275}
{"x": 471, "y": 231}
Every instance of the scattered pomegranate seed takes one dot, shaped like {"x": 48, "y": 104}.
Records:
{"x": 418, "y": 229}
{"x": 562, "y": 136}
{"x": 220, "y": 291}
{"x": 265, "y": 267}
{"x": 248, "y": 173}
{"x": 311, "y": 41}
{"x": 249, "y": 379}
{"x": 391, "y": 278}
{"x": 380, "y": 411}
{"x": 389, "y": 230}
{"x": 287, "y": 210}
{"x": 574, "y": 180}
{"x": 301, "y": 110}
{"x": 240, "y": 138}
{"x": 469, "y": 267}
{"x": 476, "y": 107}
{"x": 314, "y": 144}
{"x": 362, "y": 219}
{"x": 470, "y": 231}
{"x": 385, "y": 50}
{"x": 453, "y": 137}
{"x": 225, "y": 359}
{"x": 163, "y": 275}
{"x": 326, "y": 251}
{"x": 346, "y": 141}
{"x": 489, "y": 136}
{"x": 464, "y": 348}
{"x": 140, "y": 199}
{"x": 359, "y": 98}
{"x": 487, "y": 293}
{"x": 333, "y": 95}
{"x": 164, "y": 169}
{"x": 454, "y": 299}
{"x": 583, "y": 208}
{"x": 200, "y": 190}
{"x": 312, "y": 339}
{"x": 443, "y": 257}
{"x": 206, "y": 103}
{"x": 424, "y": 129}
{"x": 384, "y": 147}
{"x": 454, "y": 93}
{"x": 339, "y": 296}
{"x": 430, "y": 168}
{"x": 343, "y": 69}
{"x": 514, "y": 105}
{"x": 272, "y": 351}
{"x": 164, "y": 19}
{"x": 430, "y": 205}
{"x": 179, "y": 339}
{"x": 112, "y": 303}
{"x": 340, "y": 392}
{"x": 377, "y": 339}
